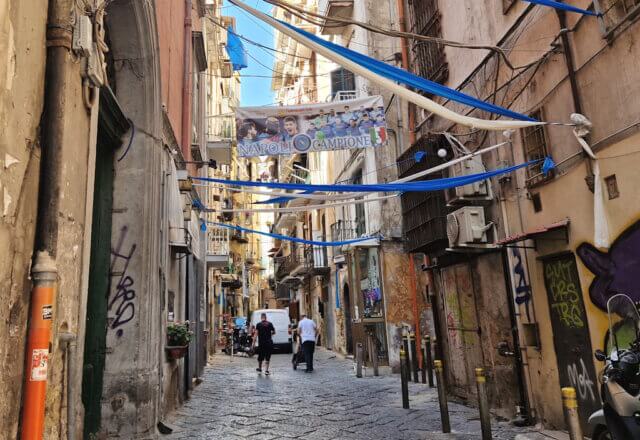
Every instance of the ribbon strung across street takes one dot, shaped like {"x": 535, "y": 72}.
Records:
{"x": 295, "y": 239}
{"x": 562, "y": 6}
{"x": 421, "y": 186}
{"x": 382, "y": 81}
{"x": 410, "y": 79}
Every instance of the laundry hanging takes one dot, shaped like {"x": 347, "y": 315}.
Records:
{"x": 562, "y": 6}
{"x": 295, "y": 239}
{"x": 236, "y": 51}
{"x": 400, "y": 91}
{"x": 421, "y": 186}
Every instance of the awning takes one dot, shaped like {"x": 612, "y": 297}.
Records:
{"x": 538, "y": 232}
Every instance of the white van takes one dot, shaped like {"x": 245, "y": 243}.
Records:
{"x": 280, "y": 320}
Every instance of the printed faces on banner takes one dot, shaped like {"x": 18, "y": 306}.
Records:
{"x": 342, "y": 125}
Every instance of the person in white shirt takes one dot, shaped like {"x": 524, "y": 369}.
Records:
{"x": 307, "y": 332}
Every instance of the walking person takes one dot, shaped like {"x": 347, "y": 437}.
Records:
{"x": 264, "y": 331}
{"x": 307, "y": 332}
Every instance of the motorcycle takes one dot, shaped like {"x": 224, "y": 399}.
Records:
{"x": 241, "y": 339}
{"x": 619, "y": 418}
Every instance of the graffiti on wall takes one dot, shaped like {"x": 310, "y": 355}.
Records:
{"x": 121, "y": 303}
{"x": 522, "y": 286}
{"x": 615, "y": 271}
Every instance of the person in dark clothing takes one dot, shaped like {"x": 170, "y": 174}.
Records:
{"x": 264, "y": 331}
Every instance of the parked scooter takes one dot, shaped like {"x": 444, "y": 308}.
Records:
{"x": 241, "y": 339}
{"x": 619, "y": 418}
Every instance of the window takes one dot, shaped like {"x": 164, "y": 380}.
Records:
{"x": 534, "y": 141}
{"x": 360, "y": 212}
{"x": 615, "y": 12}
{"x": 429, "y": 58}
{"x": 342, "y": 80}
{"x": 612, "y": 186}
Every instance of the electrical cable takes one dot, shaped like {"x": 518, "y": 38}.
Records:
{"x": 340, "y": 22}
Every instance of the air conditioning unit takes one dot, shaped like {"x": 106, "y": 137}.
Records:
{"x": 467, "y": 227}
{"x": 475, "y": 192}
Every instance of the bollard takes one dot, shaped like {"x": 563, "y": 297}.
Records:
{"x": 423, "y": 370}
{"x": 570, "y": 405}
{"x": 404, "y": 378}
{"x": 414, "y": 356}
{"x": 483, "y": 404}
{"x": 442, "y": 397}
{"x": 428, "y": 361}
{"x": 359, "y": 356}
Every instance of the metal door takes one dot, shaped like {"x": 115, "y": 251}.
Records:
{"x": 571, "y": 332}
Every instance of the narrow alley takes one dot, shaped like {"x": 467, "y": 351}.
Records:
{"x": 235, "y": 402}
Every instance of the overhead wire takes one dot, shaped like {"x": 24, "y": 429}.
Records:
{"x": 334, "y": 21}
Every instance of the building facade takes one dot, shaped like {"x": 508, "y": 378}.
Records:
{"x": 527, "y": 299}
{"x": 102, "y": 184}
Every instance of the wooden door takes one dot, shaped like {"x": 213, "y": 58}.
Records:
{"x": 463, "y": 348}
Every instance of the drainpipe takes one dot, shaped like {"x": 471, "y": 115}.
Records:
{"x": 69, "y": 341}
{"x": 575, "y": 91}
{"x": 405, "y": 65}
{"x": 186, "y": 84}
{"x": 44, "y": 272}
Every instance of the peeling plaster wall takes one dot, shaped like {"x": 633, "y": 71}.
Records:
{"x": 397, "y": 297}
{"x": 22, "y": 71}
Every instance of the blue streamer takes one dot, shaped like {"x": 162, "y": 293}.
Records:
{"x": 235, "y": 49}
{"x": 421, "y": 186}
{"x": 562, "y": 6}
{"x": 294, "y": 239}
{"x": 408, "y": 78}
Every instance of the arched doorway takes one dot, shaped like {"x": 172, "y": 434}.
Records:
{"x": 121, "y": 325}
{"x": 347, "y": 318}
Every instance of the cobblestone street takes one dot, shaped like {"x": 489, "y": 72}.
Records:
{"x": 235, "y": 402}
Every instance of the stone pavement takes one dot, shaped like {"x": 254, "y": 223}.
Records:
{"x": 235, "y": 402}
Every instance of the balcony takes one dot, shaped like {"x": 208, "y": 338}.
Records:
{"x": 218, "y": 247}
{"x": 221, "y": 133}
{"x": 293, "y": 267}
{"x": 335, "y": 8}
{"x": 344, "y": 230}
{"x": 317, "y": 260}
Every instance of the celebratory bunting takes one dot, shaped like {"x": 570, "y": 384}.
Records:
{"x": 295, "y": 239}
{"x": 404, "y": 77}
{"x": 344, "y": 125}
{"x": 421, "y": 186}
{"x": 562, "y": 6}
{"x": 389, "y": 84}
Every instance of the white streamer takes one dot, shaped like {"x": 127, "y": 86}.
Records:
{"x": 419, "y": 100}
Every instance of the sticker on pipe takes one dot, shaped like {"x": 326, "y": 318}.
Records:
{"x": 47, "y": 311}
{"x": 39, "y": 363}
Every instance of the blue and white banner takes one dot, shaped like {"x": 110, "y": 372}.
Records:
{"x": 338, "y": 125}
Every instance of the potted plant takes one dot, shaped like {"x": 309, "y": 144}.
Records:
{"x": 178, "y": 338}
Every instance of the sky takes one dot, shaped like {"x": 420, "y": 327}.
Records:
{"x": 255, "y": 91}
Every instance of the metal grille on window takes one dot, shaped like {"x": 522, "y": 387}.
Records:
{"x": 429, "y": 58}
{"x": 534, "y": 141}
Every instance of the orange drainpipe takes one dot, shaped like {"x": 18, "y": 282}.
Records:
{"x": 405, "y": 65}
{"x": 416, "y": 314}
{"x": 45, "y": 278}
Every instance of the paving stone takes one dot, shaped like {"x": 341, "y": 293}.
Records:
{"x": 234, "y": 402}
